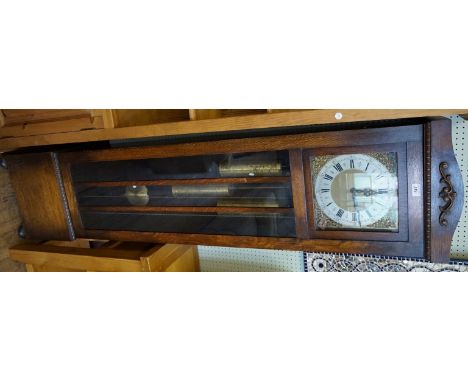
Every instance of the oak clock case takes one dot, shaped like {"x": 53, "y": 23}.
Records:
{"x": 363, "y": 190}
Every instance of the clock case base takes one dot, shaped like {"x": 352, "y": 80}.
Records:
{"x": 49, "y": 208}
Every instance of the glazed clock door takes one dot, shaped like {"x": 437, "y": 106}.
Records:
{"x": 358, "y": 192}
{"x": 238, "y": 194}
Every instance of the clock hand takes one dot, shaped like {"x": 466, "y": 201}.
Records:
{"x": 357, "y": 190}
{"x": 368, "y": 191}
{"x": 353, "y": 192}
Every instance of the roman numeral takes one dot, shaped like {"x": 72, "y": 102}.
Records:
{"x": 367, "y": 166}
{"x": 338, "y": 167}
{"x": 327, "y": 177}
{"x": 325, "y": 190}
{"x": 351, "y": 163}
{"x": 329, "y": 204}
{"x": 340, "y": 213}
{"x": 382, "y": 191}
{"x": 354, "y": 216}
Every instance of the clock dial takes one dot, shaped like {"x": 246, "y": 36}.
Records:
{"x": 356, "y": 191}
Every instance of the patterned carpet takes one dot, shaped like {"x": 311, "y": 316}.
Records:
{"x": 329, "y": 262}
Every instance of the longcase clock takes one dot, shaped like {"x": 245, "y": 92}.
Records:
{"x": 394, "y": 191}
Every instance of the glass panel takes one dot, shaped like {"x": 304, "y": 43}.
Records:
{"x": 209, "y": 195}
{"x": 275, "y": 163}
{"x": 273, "y": 224}
{"x": 356, "y": 191}
{"x": 188, "y": 194}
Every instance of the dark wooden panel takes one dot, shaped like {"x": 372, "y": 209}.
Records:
{"x": 416, "y": 199}
{"x": 41, "y": 200}
{"x": 442, "y": 174}
{"x": 299, "y": 196}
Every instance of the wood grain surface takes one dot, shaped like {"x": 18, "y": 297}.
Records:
{"x": 439, "y": 150}
{"x": 9, "y": 222}
{"x": 40, "y": 197}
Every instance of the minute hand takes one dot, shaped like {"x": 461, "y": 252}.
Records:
{"x": 368, "y": 191}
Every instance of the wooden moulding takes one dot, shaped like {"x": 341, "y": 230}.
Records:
{"x": 199, "y": 124}
{"x": 444, "y": 190}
